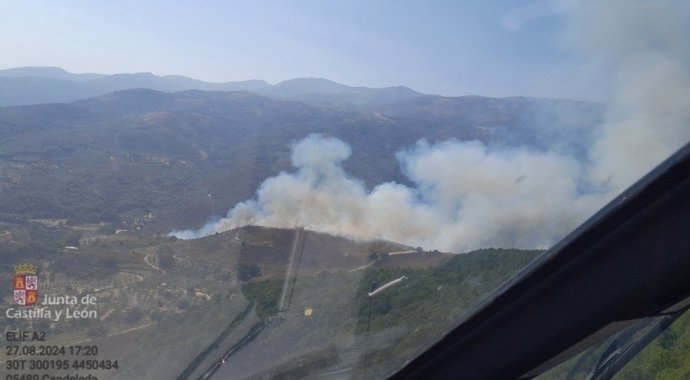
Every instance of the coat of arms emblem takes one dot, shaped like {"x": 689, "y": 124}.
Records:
{"x": 25, "y": 284}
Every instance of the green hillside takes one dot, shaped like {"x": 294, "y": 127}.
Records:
{"x": 391, "y": 327}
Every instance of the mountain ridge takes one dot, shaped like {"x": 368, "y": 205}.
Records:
{"x": 35, "y": 85}
{"x": 49, "y": 72}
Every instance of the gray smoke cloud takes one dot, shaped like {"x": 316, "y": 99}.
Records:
{"x": 467, "y": 195}
{"x": 646, "y": 46}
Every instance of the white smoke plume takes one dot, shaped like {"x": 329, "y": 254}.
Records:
{"x": 467, "y": 195}
{"x": 646, "y": 46}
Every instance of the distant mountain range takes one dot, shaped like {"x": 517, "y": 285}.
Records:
{"x": 36, "y": 85}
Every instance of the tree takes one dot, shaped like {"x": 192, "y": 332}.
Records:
{"x": 166, "y": 260}
{"x": 249, "y": 271}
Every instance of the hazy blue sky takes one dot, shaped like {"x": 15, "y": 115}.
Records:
{"x": 495, "y": 48}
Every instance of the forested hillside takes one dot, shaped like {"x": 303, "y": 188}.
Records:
{"x": 173, "y": 160}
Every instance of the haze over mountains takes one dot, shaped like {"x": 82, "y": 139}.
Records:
{"x": 443, "y": 173}
{"x": 36, "y": 85}
{"x": 180, "y": 158}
